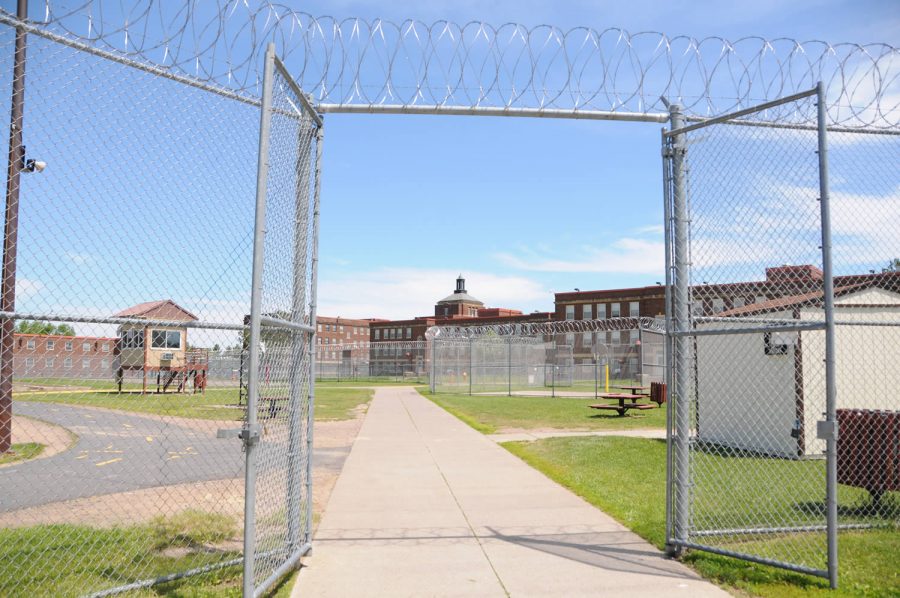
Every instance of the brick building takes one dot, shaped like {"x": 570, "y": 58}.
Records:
{"x": 56, "y": 356}
{"x": 340, "y": 341}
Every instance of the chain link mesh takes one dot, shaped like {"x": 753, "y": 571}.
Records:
{"x": 752, "y": 365}
{"x": 134, "y": 257}
{"x": 282, "y": 500}
{"x": 576, "y": 356}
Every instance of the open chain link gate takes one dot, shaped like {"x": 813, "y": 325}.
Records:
{"x": 763, "y": 372}
{"x": 277, "y": 434}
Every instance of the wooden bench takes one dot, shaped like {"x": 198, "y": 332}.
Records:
{"x": 623, "y": 408}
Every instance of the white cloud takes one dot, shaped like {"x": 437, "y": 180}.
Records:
{"x": 26, "y": 288}
{"x": 625, "y": 255}
{"x": 79, "y": 259}
{"x": 402, "y": 293}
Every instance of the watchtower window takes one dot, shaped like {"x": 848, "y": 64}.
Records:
{"x": 165, "y": 339}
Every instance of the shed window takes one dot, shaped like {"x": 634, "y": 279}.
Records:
{"x": 166, "y": 339}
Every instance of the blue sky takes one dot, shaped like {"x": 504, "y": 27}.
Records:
{"x": 520, "y": 207}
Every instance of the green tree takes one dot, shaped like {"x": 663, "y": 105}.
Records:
{"x": 39, "y": 327}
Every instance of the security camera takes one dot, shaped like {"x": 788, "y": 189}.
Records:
{"x": 35, "y": 165}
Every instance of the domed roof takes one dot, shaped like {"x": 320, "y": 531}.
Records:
{"x": 460, "y": 295}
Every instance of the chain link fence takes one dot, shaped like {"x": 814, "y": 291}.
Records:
{"x": 133, "y": 252}
{"x": 578, "y": 357}
{"x": 125, "y": 338}
{"x": 754, "y": 436}
{"x": 406, "y": 361}
{"x": 280, "y": 384}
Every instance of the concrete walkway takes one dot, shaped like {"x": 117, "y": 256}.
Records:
{"x": 427, "y": 506}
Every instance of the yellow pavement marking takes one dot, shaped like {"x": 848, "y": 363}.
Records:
{"x": 102, "y": 463}
{"x": 149, "y": 438}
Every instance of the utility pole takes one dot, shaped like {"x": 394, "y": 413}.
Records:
{"x": 11, "y": 230}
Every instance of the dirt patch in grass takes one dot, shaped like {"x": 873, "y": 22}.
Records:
{"x": 27, "y": 430}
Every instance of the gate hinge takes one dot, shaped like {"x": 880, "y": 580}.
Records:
{"x": 826, "y": 430}
{"x": 668, "y": 152}
{"x": 249, "y": 436}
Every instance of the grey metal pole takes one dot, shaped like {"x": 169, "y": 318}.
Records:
{"x": 251, "y": 432}
{"x": 299, "y": 349}
{"x": 432, "y": 381}
{"x": 681, "y": 296}
{"x": 11, "y": 231}
{"x": 471, "y": 360}
{"x": 667, "y": 217}
{"x": 831, "y": 503}
{"x": 313, "y": 303}
{"x": 509, "y": 367}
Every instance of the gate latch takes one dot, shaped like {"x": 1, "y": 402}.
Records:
{"x": 826, "y": 430}
{"x": 249, "y": 436}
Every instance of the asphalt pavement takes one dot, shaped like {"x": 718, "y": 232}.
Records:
{"x": 120, "y": 451}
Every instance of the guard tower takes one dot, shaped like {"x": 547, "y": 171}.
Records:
{"x": 160, "y": 347}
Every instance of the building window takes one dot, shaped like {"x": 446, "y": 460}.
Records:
{"x": 697, "y": 308}
{"x": 718, "y": 304}
{"x": 67, "y": 362}
{"x": 319, "y": 327}
{"x": 29, "y": 362}
{"x": 131, "y": 338}
{"x": 570, "y": 312}
{"x": 86, "y": 347}
{"x": 105, "y": 347}
{"x": 738, "y": 302}
{"x": 68, "y": 345}
{"x": 634, "y": 309}
{"x": 49, "y": 361}
{"x": 587, "y": 312}
{"x": 615, "y": 310}
{"x": 378, "y": 335}
{"x": 165, "y": 339}
{"x": 51, "y": 345}
{"x": 409, "y": 333}
{"x": 85, "y": 364}
{"x": 341, "y": 328}
{"x": 104, "y": 363}
{"x": 601, "y": 311}
{"x": 30, "y": 344}
{"x": 760, "y": 298}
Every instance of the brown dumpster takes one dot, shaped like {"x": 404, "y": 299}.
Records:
{"x": 868, "y": 450}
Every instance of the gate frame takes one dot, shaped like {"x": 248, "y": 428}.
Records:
{"x": 250, "y": 433}
{"x": 678, "y": 479}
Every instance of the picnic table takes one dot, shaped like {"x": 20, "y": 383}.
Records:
{"x": 626, "y": 402}
{"x": 635, "y": 390}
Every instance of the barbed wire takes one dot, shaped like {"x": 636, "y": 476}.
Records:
{"x": 354, "y": 62}
{"x": 525, "y": 329}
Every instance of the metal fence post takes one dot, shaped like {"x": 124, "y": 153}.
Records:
{"x": 831, "y": 513}
{"x": 250, "y": 433}
{"x": 11, "y": 231}
{"x": 471, "y": 361}
{"x": 298, "y": 348}
{"x": 509, "y": 367}
{"x": 667, "y": 220}
{"x": 681, "y": 297}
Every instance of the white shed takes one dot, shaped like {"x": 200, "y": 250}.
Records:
{"x": 764, "y": 392}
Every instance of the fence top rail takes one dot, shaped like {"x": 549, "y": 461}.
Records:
{"x": 354, "y": 62}
{"x": 733, "y": 116}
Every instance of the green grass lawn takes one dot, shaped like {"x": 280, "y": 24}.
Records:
{"x": 215, "y": 404}
{"x": 21, "y": 452}
{"x": 70, "y": 560}
{"x": 625, "y": 477}
{"x": 489, "y": 413}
